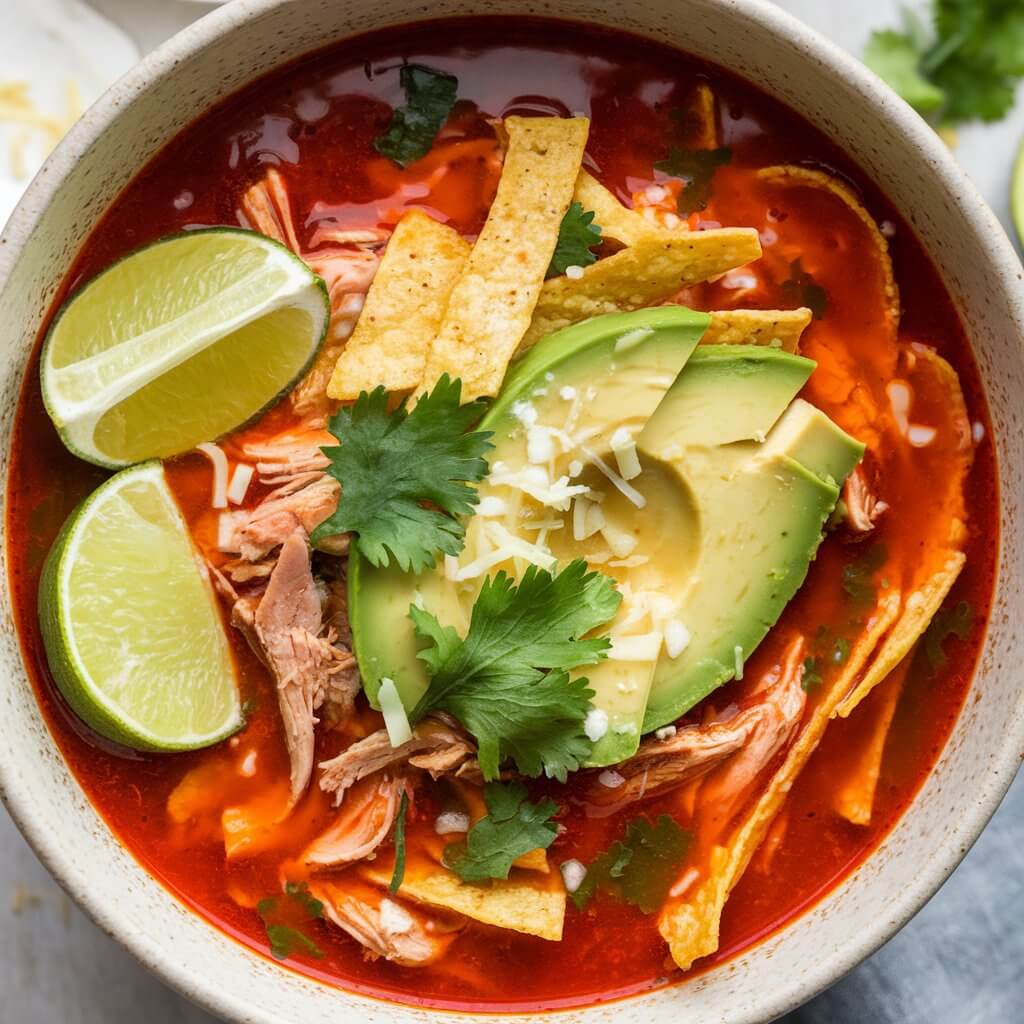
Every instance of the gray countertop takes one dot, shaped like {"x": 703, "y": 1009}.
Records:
{"x": 958, "y": 962}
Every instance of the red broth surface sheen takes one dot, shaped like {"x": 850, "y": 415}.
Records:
{"x": 315, "y": 121}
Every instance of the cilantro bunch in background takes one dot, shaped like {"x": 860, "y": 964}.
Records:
{"x": 962, "y": 66}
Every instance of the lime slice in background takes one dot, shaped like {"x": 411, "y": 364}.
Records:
{"x": 180, "y": 343}
{"x": 131, "y": 624}
{"x": 1017, "y": 195}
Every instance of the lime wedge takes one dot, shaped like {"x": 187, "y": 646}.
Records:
{"x": 180, "y": 343}
{"x": 130, "y": 621}
{"x": 1017, "y": 195}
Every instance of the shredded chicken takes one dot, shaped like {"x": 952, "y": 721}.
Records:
{"x": 660, "y": 765}
{"x": 347, "y": 269}
{"x": 396, "y": 930}
{"x": 436, "y": 746}
{"x": 302, "y": 504}
{"x": 863, "y": 509}
{"x": 360, "y": 827}
{"x": 773, "y": 720}
{"x": 280, "y": 461}
{"x": 287, "y": 625}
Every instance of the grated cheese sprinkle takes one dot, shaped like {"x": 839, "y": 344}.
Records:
{"x": 628, "y": 490}
{"x": 240, "y": 480}
{"x": 219, "y": 462}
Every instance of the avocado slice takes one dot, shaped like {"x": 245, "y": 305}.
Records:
{"x": 616, "y": 369}
{"x": 762, "y": 473}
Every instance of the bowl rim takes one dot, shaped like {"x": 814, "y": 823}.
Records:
{"x": 876, "y": 97}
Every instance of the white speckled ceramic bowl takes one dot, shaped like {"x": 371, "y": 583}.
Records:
{"x": 241, "y": 41}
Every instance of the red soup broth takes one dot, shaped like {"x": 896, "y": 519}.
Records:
{"x": 315, "y": 121}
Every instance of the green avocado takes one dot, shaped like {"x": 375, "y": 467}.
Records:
{"x": 761, "y": 475}
{"x": 709, "y": 541}
{"x": 616, "y": 369}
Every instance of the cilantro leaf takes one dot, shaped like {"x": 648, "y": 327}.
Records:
{"x": 391, "y": 464}
{"x": 802, "y": 289}
{"x": 577, "y": 235}
{"x": 513, "y": 826}
{"x": 812, "y": 677}
{"x": 641, "y": 868}
{"x": 429, "y": 98}
{"x": 284, "y": 938}
{"x": 398, "y": 874}
{"x": 696, "y": 168}
{"x": 896, "y": 58}
{"x": 965, "y": 68}
{"x": 957, "y": 621}
{"x": 506, "y": 681}
{"x": 858, "y": 575}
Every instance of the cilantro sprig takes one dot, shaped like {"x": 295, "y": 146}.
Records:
{"x": 696, "y": 169}
{"x": 957, "y": 621}
{"x": 640, "y": 868}
{"x": 963, "y": 67}
{"x": 398, "y": 872}
{"x": 802, "y": 289}
{"x": 429, "y": 98}
{"x": 279, "y": 921}
{"x": 405, "y": 476}
{"x": 507, "y": 680}
{"x": 577, "y": 235}
{"x": 513, "y": 826}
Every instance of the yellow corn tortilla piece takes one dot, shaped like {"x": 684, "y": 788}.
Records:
{"x": 758, "y": 327}
{"x": 918, "y": 612}
{"x": 646, "y": 273}
{"x": 403, "y": 309}
{"x": 617, "y": 222}
{"x": 491, "y": 305}
{"x": 691, "y": 926}
{"x": 855, "y": 796}
{"x": 788, "y": 174}
{"x": 706, "y": 109}
{"x": 531, "y": 905}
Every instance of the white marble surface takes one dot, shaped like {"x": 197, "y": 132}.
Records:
{"x": 957, "y": 963}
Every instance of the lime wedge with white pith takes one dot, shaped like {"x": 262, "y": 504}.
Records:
{"x": 130, "y": 621}
{"x": 179, "y": 343}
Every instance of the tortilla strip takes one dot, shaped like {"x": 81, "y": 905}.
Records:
{"x": 707, "y": 136}
{"x": 617, "y": 222}
{"x": 855, "y": 797}
{"x": 490, "y": 307}
{"x": 646, "y": 273}
{"x": 788, "y": 174}
{"x": 403, "y": 309}
{"x": 918, "y": 612}
{"x": 691, "y": 926}
{"x": 758, "y": 327}
{"x": 533, "y": 906}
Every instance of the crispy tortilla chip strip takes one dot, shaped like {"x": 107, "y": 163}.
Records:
{"x": 473, "y": 798}
{"x": 758, "y": 327}
{"x": 532, "y": 905}
{"x": 806, "y": 177}
{"x": 706, "y": 109}
{"x": 616, "y": 221}
{"x": 919, "y": 611}
{"x": 855, "y": 797}
{"x": 403, "y": 310}
{"x": 491, "y": 305}
{"x": 691, "y": 926}
{"x": 644, "y": 274}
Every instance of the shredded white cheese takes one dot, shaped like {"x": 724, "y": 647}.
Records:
{"x": 567, "y": 392}
{"x": 737, "y": 654}
{"x": 451, "y": 567}
{"x": 219, "y": 461}
{"x": 643, "y": 647}
{"x": 920, "y": 436}
{"x": 628, "y": 490}
{"x": 595, "y": 725}
{"x": 525, "y": 413}
{"x": 611, "y": 779}
{"x": 395, "y": 719}
{"x": 451, "y": 821}
{"x": 240, "y": 480}
{"x": 622, "y": 542}
{"x": 534, "y": 481}
{"x": 677, "y": 638}
{"x": 574, "y": 273}
{"x": 624, "y": 449}
{"x": 507, "y": 545}
{"x": 573, "y": 873}
{"x": 666, "y": 732}
{"x": 575, "y": 468}
{"x": 492, "y": 506}
{"x": 540, "y": 445}
{"x": 632, "y": 338}
{"x": 226, "y": 533}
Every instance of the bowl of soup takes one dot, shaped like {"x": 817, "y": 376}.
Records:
{"x": 507, "y": 514}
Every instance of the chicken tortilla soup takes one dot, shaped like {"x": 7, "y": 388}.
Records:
{"x": 502, "y": 515}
